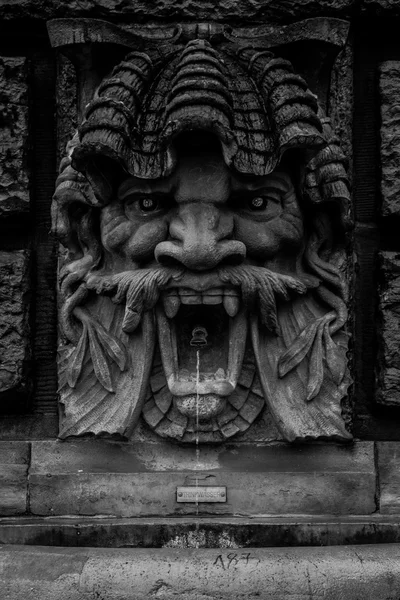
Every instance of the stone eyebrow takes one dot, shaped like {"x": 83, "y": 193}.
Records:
{"x": 279, "y": 181}
{"x": 137, "y": 186}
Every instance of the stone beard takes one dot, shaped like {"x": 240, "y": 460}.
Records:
{"x": 204, "y": 279}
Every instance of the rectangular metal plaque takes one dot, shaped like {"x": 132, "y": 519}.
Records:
{"x": 200, "y": 493}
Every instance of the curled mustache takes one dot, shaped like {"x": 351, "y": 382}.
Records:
{"x": 140, "y": 290}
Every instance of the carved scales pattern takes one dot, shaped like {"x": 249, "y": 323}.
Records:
{"x": 245, "y": 404}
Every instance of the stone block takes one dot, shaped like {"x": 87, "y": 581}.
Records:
{"x": 29, "y": 426}
{"x": 358, "y": 572}
{"x": 389, "y": 333}
{"x": 14, "y": 463}
{"x": 14, "y": 322}
{"x": 389, "y": 477}
{"x": 389, "y": 87}
{"x": 14, "y": 176}
{"x": 90, "y": 478}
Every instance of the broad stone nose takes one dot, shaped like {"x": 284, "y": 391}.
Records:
{"x": 200, "y": 239}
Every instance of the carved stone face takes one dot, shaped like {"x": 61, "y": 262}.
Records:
{"x": 204, "y": 216}
{"x": 201, "y": 219}
{"x": 202, "y": 207}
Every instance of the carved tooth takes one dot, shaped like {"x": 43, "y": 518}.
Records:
{"x": 211, "y": 299}
{"x": 185, "y": 292}
{"x": 171, "y": 304}
{"x": 191, "y": 299}
{"x": 231, "y": 292}
{"x": 231, "y": 304}
{"x": 188, "y": 296}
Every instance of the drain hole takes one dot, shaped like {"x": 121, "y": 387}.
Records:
{"x": 199, "y": 337}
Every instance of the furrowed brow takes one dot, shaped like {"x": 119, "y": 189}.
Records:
{"x": 140, "y": 186}
{"x": 279, "y": 181}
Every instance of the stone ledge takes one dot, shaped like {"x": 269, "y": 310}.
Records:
{"x": 127, "y": 480}
{"x": 205, "y": 532}
{"x": 103, "y": 456}
{"x": 352, "y": 572}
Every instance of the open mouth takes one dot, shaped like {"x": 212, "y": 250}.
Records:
{"x": 202, "y": 339}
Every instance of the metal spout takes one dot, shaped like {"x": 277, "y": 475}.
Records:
{"x": 199, "y": 337}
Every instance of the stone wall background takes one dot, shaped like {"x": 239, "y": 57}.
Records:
{"x": 28, "y": 332}
{"x": 38, "y": 87}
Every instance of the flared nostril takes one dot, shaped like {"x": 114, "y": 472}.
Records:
{"x": 168, "y": 261}
{"x": 202, "y": 255}
{"x": 168, "y": 254}
{"x": 231, "y": 252}
{"x": 232, "y": 259}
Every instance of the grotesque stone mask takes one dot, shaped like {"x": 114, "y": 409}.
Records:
{"x": 203, "y": 204}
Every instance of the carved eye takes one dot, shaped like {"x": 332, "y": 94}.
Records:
{"x": 139, "y": 205}
{"x": 261, "y": 205}
{"x": 258, "y": 203}
{"x": 148, "y": 205}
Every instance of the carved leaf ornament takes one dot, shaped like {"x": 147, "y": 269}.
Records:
{"x": 315, "y": 341}
{"x": 204, "y": 188}
{"x": 102, "y": 348}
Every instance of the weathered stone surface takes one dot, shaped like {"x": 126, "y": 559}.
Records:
{"x": 14, "y": 321}
{"x": 14, "y": 179}
{"x": 30, "y": 426}
{"x": 114, "y": 479}
{"x": 389, "y": 86}
{"x": 66, "y": 98}
{"x": 105, "y": 456}
{"x": 340, "y": 101}
{"x": 334, "y": 573}
{"x": 211, "y": 532}
{"x": 14, "y": 461}
{"x": 380, "y": 7}
{"x": 280, "y": 10}
{"x": 389, "y": 477}
{"x": 389, "y": 333}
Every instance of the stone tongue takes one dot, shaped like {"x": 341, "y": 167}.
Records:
{"x": 220, "y": 359}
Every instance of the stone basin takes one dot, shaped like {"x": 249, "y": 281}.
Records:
{"x": 332, "y": 573}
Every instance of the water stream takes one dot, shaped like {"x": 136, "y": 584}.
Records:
{"x": 197, "y": 443}
{"x": 199, "y": 340}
